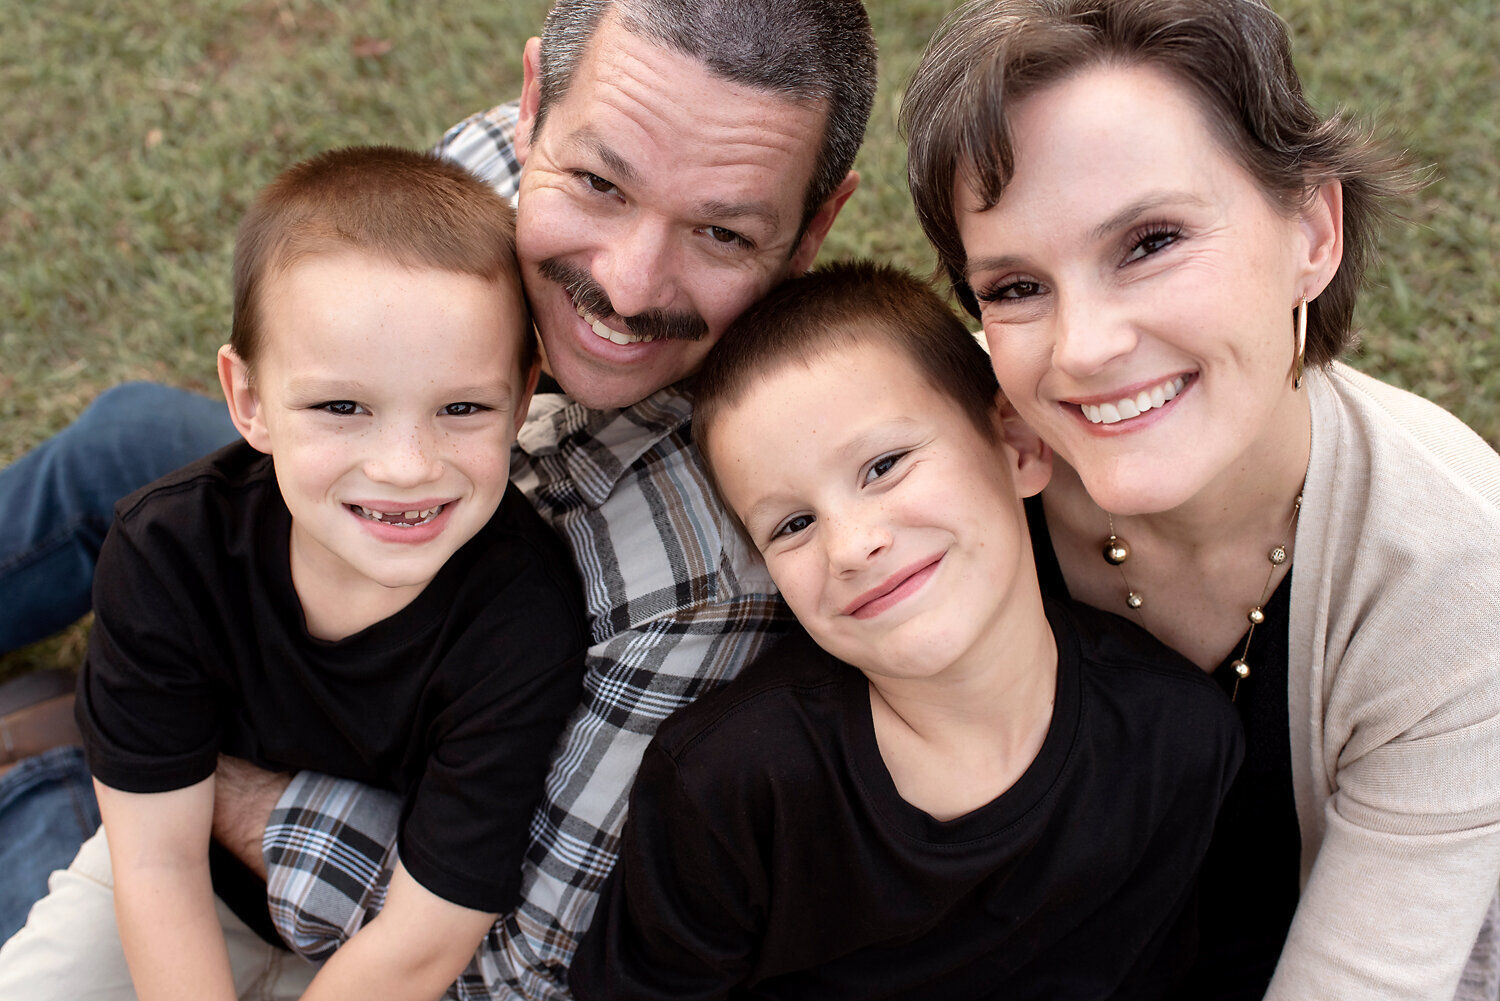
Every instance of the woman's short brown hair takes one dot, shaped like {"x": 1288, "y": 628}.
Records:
{"x": 404, "y": 206}
{"x": 1233, "y": 55}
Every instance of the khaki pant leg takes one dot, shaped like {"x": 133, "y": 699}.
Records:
{"x": 70, "y": 945}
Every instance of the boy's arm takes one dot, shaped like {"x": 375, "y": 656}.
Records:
{"x": 415, "y": 948}
{"x": 164, "y": 903}
{"x": 681, "y": 917}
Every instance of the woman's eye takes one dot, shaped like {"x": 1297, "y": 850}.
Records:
{"x": 1023, "y": 289}
{"x": 882, "y": 465}
{"x": 793, "y": 525}
{"x": 1151, "y": 243}
{"x": 340, "y": 408}
{"x": 463, "y": 409}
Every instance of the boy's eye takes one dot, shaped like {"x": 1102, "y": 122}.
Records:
{"x": 883, "y": 465}
{"x": 793, "y": 525}
{"x": 463, "y": 409}
{"x": 341, "y": 408}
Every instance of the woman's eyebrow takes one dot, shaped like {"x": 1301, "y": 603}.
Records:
{"x": 1142, "y": 206}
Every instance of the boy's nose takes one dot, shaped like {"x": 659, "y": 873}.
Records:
{"x": 853, "y": 541}
{"x": 405, "y": 458}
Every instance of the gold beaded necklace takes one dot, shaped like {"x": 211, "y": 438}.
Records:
{"x": 1116, "y": 551}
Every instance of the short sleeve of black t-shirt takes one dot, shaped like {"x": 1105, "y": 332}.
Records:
{"x": 768, "y": 853}
{"x": 199, "y": 647}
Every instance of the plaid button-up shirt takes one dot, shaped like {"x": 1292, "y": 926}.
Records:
{"x": 676, "y": 602}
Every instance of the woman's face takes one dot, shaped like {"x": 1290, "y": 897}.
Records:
{"x": 1138, "y": 290}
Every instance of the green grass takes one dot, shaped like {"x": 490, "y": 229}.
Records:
{"x": 135, "y": 133}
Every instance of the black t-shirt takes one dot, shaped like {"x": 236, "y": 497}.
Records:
{"x": 768, "y": 853}
{"x": 199, "y": 646}
{"x": 1249, "y": 883}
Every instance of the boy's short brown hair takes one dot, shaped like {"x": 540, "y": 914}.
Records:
{"x": 839, "y": 306}
{"x": 405, "y": 206}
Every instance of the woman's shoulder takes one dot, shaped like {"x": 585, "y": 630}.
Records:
{"x": 1415, "y": 443}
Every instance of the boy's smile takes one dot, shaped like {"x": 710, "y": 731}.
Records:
{"x": 890, "y": 523}
{"x": 388, "y": 398}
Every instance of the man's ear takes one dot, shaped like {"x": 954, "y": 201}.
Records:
{"x": 243, "y": 400}
{"x": 821, "y": 222}
{"x": 1032, "y": 456}
{"x": 1322, "y": 223}
{"x": 531, "y": 96}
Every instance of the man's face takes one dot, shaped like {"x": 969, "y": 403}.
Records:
{"x": 657, "y": 202}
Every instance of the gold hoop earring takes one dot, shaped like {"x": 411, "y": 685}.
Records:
{"x": 1301, "y": 343}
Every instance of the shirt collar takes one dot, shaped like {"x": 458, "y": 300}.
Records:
{"x": 599, "y": 446}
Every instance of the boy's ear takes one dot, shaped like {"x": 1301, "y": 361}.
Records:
{"x": 1033, "y": 457}
{"x": 243, "y": 400}
{"x": 531, "y": 96}
{"x": 524, "y": 403}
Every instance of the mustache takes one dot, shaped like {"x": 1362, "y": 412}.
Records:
{"x": 589, "y": 296}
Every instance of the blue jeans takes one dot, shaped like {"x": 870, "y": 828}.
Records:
{"x": 47, "y": 809}
{"x": 57, "y": 501}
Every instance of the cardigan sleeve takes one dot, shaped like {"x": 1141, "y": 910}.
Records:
{"x": 1394, "y": 697}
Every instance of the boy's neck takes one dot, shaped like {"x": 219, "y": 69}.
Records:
{"x": 958, "y": 739}
{"x": 335, "y": 609}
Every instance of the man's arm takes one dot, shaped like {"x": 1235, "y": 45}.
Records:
{"x": 244, "y": 796}
{"x": 164, "y": 902}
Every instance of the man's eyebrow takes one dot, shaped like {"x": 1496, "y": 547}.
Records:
{"x": 620, "y": 170}
{"x": 618, "y": 167}
{"x": 762, "y": 211}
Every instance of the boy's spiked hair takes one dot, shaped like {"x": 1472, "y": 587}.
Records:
{"x": 839, "y": 306}
{"x": 401, "y": 205}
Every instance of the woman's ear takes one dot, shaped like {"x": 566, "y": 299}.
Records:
{"x": 1032, "y": 464}
{"x": 1321, "y": 220}
{"x": 243, "y": 400}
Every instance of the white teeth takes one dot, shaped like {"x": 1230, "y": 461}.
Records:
{"x": 614, "y": 336}
{"x": 414, "y": 517}
{"x": 1133, "y": 406}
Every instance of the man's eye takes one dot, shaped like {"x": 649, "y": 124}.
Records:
{"x": 463, "y": 409}
{"x": 341, "y": 408}
{"x": 793, "y": 525}
{"x": 723, "y": 235}
{"x": 598, "y": 183}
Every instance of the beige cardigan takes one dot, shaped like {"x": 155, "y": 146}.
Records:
{"x": 1394, "y": 696}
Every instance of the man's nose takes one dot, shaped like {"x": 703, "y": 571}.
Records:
{"x": 640, "y": 274}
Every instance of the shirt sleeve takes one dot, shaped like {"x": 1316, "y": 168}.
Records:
{"x": 484, "y": 143}
{"x": 146, "y": 708}
{"x": 328, "y": 848}
{"x": 677, "y": 920}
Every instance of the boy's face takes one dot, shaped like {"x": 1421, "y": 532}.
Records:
{"x": 389, "y": 398}
{"x": 891, "y": 525}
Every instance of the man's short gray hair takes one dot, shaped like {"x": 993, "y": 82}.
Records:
{"x": 808, "y": 50}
